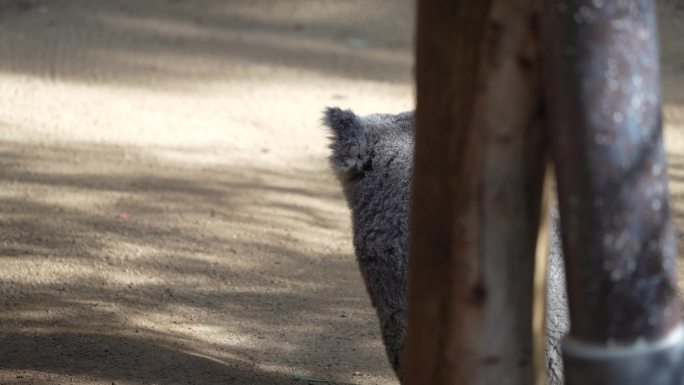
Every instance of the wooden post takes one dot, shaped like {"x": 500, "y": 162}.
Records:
{"x": 476, "y": 193}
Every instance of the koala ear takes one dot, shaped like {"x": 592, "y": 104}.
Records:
{"x": 349, "y": 141}
{"x": 343, "y": 123}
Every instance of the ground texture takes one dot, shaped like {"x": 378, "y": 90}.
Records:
{"x": 167, "y": 215}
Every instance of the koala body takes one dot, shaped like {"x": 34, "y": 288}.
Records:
{"x": 372, "y": 157}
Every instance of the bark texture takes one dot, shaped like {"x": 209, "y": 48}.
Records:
{"x": 476, "y": 193}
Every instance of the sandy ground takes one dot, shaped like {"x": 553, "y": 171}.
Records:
{"x": 167, "y": 215}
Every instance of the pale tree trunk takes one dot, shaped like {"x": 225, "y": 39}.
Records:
{"x": 476, "y": 193}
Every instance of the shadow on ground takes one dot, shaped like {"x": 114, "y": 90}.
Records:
{"x": 128, "y": 43}
{"x": 143, "y": 272}
{"x": 118, "y": 359}
{"x": 121, "y": 264}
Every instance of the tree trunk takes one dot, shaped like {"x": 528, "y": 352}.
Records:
{"x": 475, "y": 194}
{"x": 605, "y": 117}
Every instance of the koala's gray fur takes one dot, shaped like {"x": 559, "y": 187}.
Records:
{"x": 372, "y": 157}
{"x": 557, "y": 312}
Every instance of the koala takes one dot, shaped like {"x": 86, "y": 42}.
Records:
{"x": 372, "y": 157}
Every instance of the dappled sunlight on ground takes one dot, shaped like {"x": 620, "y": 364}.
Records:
{"x": 167, "y": 212}
{"x": 250, "y": 267}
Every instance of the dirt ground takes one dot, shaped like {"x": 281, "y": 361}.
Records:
{"x": 167, "y": 215}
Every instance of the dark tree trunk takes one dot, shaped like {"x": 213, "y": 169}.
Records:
{"x": 605, "y": 117}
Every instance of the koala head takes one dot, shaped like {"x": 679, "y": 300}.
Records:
{"x": 364, "y": 146}
{"x": 373, "y": 158}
